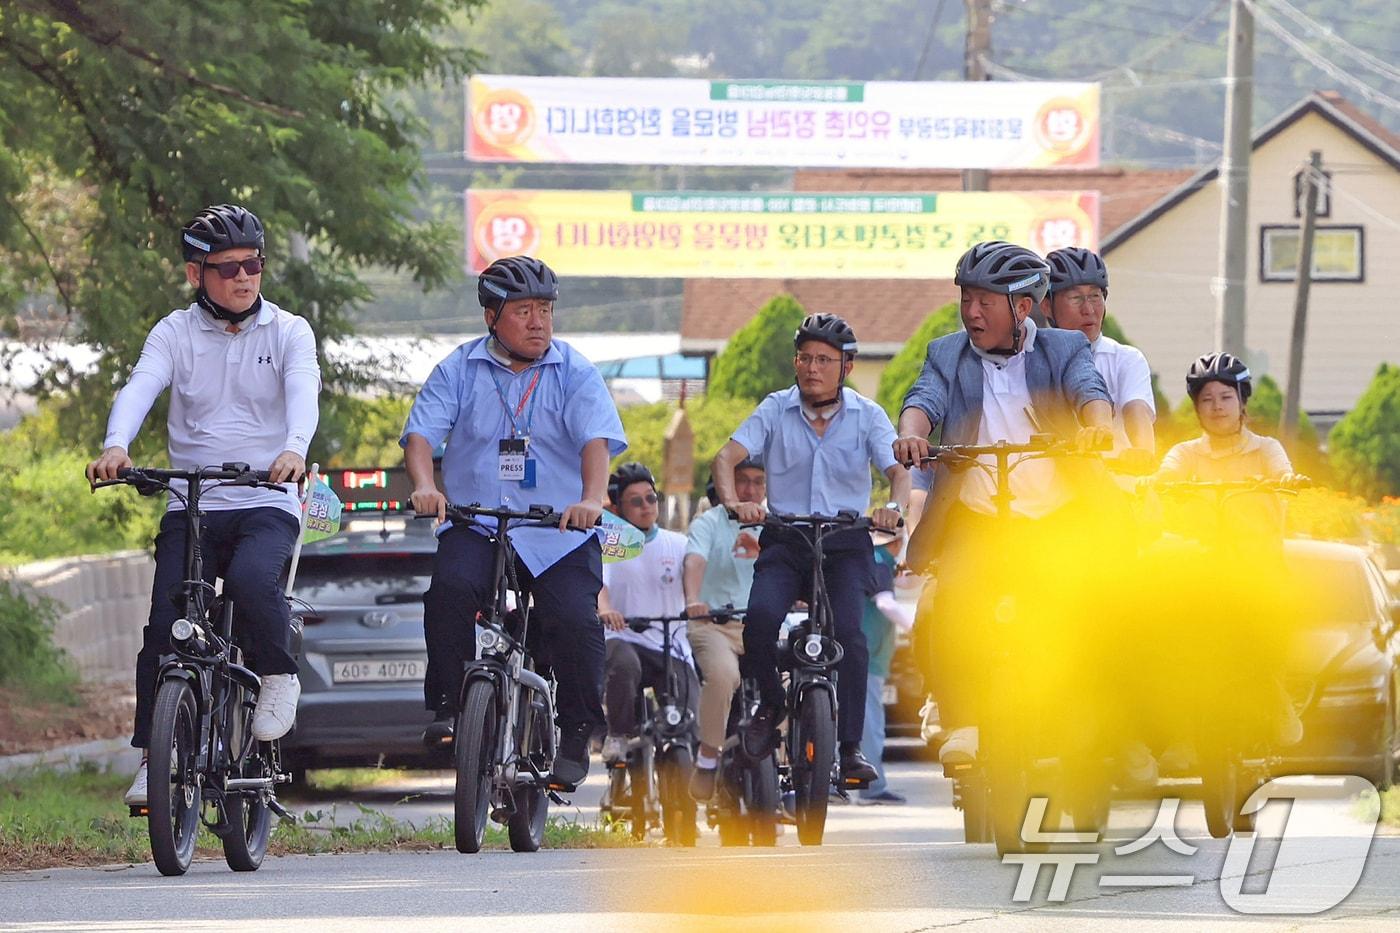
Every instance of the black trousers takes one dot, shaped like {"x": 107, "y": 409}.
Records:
{"x": 565, "y": 634}
{"x": 250, "y": 549}
{"x": 782, "y": 575}
{"x": 630, "y": 667}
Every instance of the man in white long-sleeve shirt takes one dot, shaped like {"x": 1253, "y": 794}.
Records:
{"x": 244, "y": 383}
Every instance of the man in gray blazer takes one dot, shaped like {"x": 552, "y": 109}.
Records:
{"x": 1001, "y": 378}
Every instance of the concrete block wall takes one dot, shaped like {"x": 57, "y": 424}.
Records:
{"x": 103, "y": 602}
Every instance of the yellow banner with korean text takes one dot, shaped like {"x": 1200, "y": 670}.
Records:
{"x": 678, "y": 234}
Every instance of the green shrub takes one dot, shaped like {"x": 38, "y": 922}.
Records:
{"x": 1365, "y": 444}
{"x": 712, "y": 419}
{"x": 29, "y": 660}
{"x": 898, "y": 376}
{"x": 758, "y": 358}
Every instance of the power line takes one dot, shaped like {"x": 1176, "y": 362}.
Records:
{"x": 1366, "y": 59}
{"x": 1318, "y": 61}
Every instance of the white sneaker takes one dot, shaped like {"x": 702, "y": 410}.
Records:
{"x": 277, "y": 706}
{"x": 960, "y": 748}
{"x": 614, "y": 749}
{"x": 135, "y": 795}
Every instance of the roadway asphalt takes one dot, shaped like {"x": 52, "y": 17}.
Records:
{"x": 881, "y": 869}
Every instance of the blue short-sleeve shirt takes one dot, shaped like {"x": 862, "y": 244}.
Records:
{"x": 818, "y": 475}
{"x": 464, "y": 402}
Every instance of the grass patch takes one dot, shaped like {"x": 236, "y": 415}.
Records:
{"x": 51, "y": 819}
{"x": 1388, "y": 801}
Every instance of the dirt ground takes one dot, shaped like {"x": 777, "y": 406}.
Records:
{"x": 102, "y": 711}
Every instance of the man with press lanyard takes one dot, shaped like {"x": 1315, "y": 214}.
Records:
{"x": 527, "y": 420}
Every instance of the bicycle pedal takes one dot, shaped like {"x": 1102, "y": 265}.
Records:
{"x": 556, "y": 799}
{"x": 501, "y": 815}
{"x": 142, "y": 811}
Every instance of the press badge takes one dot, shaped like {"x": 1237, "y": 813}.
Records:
{"x": 511, "y": 458}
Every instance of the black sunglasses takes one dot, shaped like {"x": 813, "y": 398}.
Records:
{"x": 229, "y": 270}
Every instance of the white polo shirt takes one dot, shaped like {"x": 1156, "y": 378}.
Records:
{"x": 230, "y": 398}
{"x": 650, "y": 585}
{"x": 1006, "y": 403}
{"x": 1129, "y": 379}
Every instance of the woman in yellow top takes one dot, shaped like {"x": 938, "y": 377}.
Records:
{"x": 1219, "y": 387}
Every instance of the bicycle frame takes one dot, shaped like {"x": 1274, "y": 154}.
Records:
{"x": 503, "y": 659}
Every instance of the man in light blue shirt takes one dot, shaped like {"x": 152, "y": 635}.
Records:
{"x": 817, "y": 441}
{"x": 527, "y": 420}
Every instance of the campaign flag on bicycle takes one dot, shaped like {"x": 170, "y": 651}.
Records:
{"x": 685, "y": 234}
{"x": 323, "y": 508}
{"x": 621, "y": 540}
{"x": 870, "y": 124}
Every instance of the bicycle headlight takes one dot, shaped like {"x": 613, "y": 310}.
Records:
{"x": 487, "y": 640}
{"x": 182, "y": 630}
{"x": 812, "y": 647}
{"x": 672, "y": 716}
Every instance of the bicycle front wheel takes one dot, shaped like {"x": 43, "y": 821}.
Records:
{"x": 761, "y": 801}
{"x": 814, "y": 751}
{"x": 526, "y": 826}
{"x": 475, "y": 760}
{"x": 173, "y": 800}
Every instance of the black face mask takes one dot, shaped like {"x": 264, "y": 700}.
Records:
{"x": 202, "y": 298}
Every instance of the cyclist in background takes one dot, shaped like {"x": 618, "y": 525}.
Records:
{"x": 883, "y": 621}
{"x": 719, "y": 559}
{"x": 817, "y": 440}
{"x": 1219, "y": 386}
{"x": 245, "y": 383}
{"x": 647, "y": 585}
{"x": 1077, "y": 300}
{"x": 528, "y": 421}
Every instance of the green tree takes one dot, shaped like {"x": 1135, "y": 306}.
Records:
{"x": 898, "y": 376}
{"x": 1365, "y": 444}
{"x": 712, "y": 418}
{"x": 146, "y": 112}
{"x": 758, "y": 358}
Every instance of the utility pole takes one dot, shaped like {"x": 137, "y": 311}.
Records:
{"x": 977, "y": 47}
{"x": 1294, "y": 390}
{"x": 1234, "y": 182}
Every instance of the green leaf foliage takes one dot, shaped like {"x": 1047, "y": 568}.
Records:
{"x": 758, "y": 358}
{"x": 1365, "y": 444}
{"x": 130, "y": 117}
{"x": 712, "y": 418}
{"x": 899, "y": 374}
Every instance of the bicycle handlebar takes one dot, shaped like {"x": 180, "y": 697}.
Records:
{"x": 1044, "y": 444}
{"x": 231, "y": 474}
{"x": 541, "y": 514}
{"x": 1287, "y": 487}
{"x": 721, "y": 615}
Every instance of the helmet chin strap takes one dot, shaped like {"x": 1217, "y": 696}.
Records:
{"x": 510, "y": 352}
{"x": 1016, "y": 333}
{"x": 202, "y": 298}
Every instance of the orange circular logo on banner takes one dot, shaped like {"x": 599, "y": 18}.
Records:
{"x": 1061, "y": 126}
{"x": 505, "y": 228}
{"x": 504, "y": 118}
{"x": 1056, "y": 231}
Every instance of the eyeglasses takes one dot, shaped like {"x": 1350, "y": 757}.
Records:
{"x": 229, "y": 270}
{"x": 1094, "y": 299}
{"x": 638, "y": 501}
{"x": 807, "y": 359}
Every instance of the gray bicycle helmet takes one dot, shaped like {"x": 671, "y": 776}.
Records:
{"x": 1075, "y": 265}
{"x": 1004, "y": 268}
{"x": 1219, "y": 367}
{"x": 516, "y": 277}
{"x": 221, "y": 227}
{"x": 830, "y": 330}
{"x": 626, "y": 475}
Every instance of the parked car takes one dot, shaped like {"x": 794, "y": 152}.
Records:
{"x": 1345, "y": 665}
{"x": 363, "y": 654}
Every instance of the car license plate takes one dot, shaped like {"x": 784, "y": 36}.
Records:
{"x": 889, "y": 695}
{"x": 376, "y": 670}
